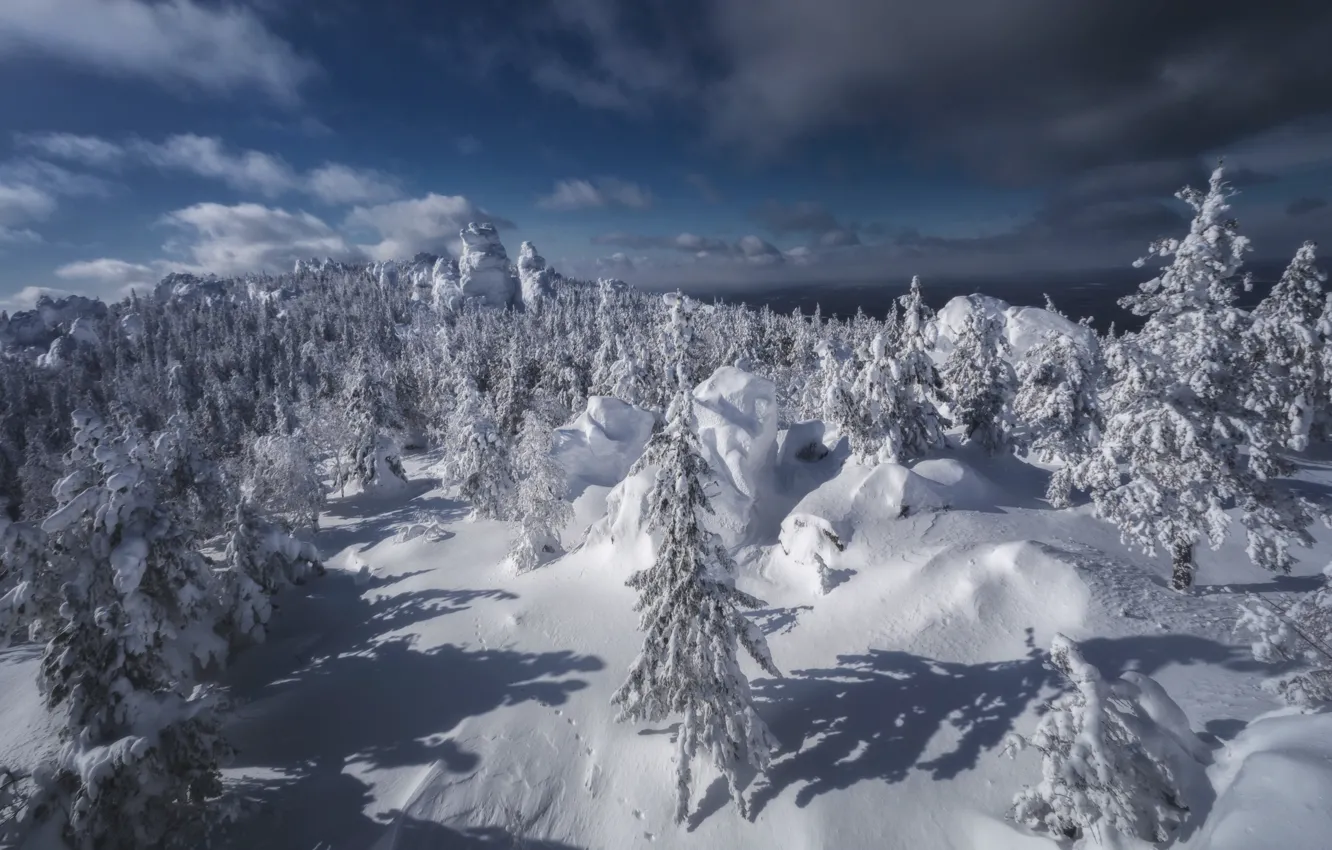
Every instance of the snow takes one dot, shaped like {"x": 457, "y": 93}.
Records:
{"x": 1023, "y": 327}
{"x": 483, "y": 268}
{"x": 600, "y": 445}
{"x": 536, "y": 279}
{"x": 1273, "y": 787}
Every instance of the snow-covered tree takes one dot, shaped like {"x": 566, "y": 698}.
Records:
{"x": 1297, "y": 634}
{"x": 1181, "y": 442}
{"x": 918, "y": 388}
{"x": 477, "y": 457}
{"x": 836, "y": 404}
{"x": 690, "y": 610}
{"x": 1058, "y": 404}
{"x": 260, "y": 560}
{"x": 1111, "y": 757}
{"x": 1284, "y": 341}
{"x": 979, "y": 381}
{"x": 281, "y": 479}
{"x": 142, "y": 744}
{"x": 538, "y": 497}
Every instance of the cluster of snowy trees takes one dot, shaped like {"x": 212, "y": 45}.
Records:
{"x": 174, "y": 428}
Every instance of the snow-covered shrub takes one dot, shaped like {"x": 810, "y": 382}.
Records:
{"x": 260, "y": 560}
{"x": 1058, "y": 406}
{"x": 1115, "y": 755}
{"x": 1297, "y": 635}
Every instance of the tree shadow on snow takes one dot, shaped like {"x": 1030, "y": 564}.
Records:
{"x": 335, "y": 685}
{"x": 379, "y": 523}
{"x": 874, "y": 716}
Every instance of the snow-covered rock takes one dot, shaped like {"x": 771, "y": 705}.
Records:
{"x": 82, "y": 330}
{"x": 803, "y": 442}
{"x": 1023, "y": 327}
{"x": 735, "y": 415}
{"x": 131, "y": 325}
{"x": 601, "y": 444}
{"x": 535, "y": 278}
{"x": 48, "y": 319}
{"x": 483, "y": 268}
{"x": 182, "y": 287}
{"x": 812, "y": 541}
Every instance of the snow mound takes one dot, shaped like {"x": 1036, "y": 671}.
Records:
{"x": 602, "y": 443}
{"x": 535, "y": 278}
{"x": 963, "y": 485}
{"x": 803, "y": 442}
{"x": 891, "y": 491}
{"x": 735, "y": 414}
{"x": 483, "y": 268}
{"x": 1273, "y": 787}
{"x": 813, "y": 542}
{"x": 1023, "y": 327}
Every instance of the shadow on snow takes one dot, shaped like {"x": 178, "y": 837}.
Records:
{"x": 333, "y": 687}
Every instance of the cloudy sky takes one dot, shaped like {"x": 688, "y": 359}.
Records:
{"x": 735, "y": 142}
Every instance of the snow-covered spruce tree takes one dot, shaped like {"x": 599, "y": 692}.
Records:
{"x": 142, "y": 743}
{"x": 29, "y": 590}
{"x": 538, "y": 496}
{"x": 836, "y": 404}
{"x": 1106, "y": 763}
{"x": 1296, "y": 634}
{"x": 919, "y": 386}
{"x": 1285, "y": 340}
{"x": 1058, "y": 404}
{"x": 1182, "y": 442}
{"x": 261, "y": 559}
{"x": 980, "y": 382}
{"x": 477, "y": 458}
{"x": 690, "y": 610}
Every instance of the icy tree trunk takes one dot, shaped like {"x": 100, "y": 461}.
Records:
{"x": 1181, "y": 559}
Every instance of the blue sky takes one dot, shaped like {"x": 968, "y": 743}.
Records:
{"x": 732, "y": 142}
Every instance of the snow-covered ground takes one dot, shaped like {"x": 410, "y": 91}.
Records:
{"x": 443, "y": 701}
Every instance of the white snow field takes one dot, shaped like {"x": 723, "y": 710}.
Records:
{"x": 423, "y": 696}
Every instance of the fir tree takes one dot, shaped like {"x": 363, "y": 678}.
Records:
{"x": 979, "y": 381}
{"x": 1058, "y": 403}
{"x": 538, "y": 496}
{"x": 691, "y": 612}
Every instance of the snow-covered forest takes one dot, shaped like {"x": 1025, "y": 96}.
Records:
{"x": 458, "y": 552}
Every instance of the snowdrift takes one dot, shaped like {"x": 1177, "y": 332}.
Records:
{"x": 1023, "y": 327}
{"x": 736, "y": 418}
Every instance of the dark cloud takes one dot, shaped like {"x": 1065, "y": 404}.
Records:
{"x": 685, "y": 242}
{"x": 1024, "y": 89}
{"x": 1304, "y": 206}
{"x": 800, "y": 217}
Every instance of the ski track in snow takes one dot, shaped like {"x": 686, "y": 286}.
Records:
{"x": 446, "y": 702}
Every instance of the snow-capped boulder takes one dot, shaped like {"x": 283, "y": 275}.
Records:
{"x": 892, "y": 490}
{"x": 387, "y": 273}
{"x": 735, "y": 415}
{"x": 1023, "y": 327}
{"x": 49, "y": 317}
{"x": 83, "y": 331}
{"x": 601, "y": 444}
{"x": 813, "y": 542}
{"x": 535, "y": 278}
{"x": 483, "y": 269}
{"x": 131, "y": 325}
{"x": 803, "y": 442}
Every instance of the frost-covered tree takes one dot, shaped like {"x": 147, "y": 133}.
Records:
{"x": 281, "y": 479}
{"x": 690, "y": 610}
{"x": 836, "y": 403}
{"x": 1181, "y": 442}
{"x": 1297, "y": 634}
{"x": 142, "y": 744}
{"x": 1112, "y": 757}
{"x": 1058, "y": 404}
{"x": 260, "y": 560}
{"x": 539, "y": 496}
{"x": 1284, "y": 341}
{"x": 979, "y": 382}
{"x": 477, "y": 457}
{"x": 918, "y": 390}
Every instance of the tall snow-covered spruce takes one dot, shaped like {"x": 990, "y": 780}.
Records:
{"x": 980, "y": 382}
{"x": 1183, "y": 441}
{"x": 690, "y": 610}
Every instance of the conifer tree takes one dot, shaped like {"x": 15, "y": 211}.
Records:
{"x": 690, "y": 610}
{"x": 539, "y": 496}
{"x": 1058, "y": 405}
{"x": 1182, "y": 442}
{"x": 979, "y": 381}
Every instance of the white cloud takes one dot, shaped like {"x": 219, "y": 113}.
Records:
{"x": 759, "y": 251}
{"x": 210, "y": 157}
{"x": 410, "y": 226}
{"x": 334, "y": 183}
{"x": 110, "y": 273}
{"x": 177, "y": 43}
{"x": 604, "y": 192}
{"x": 21, "y": 203}
{"x": 232, "y": 240}
{"x": 206, "y": 156}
